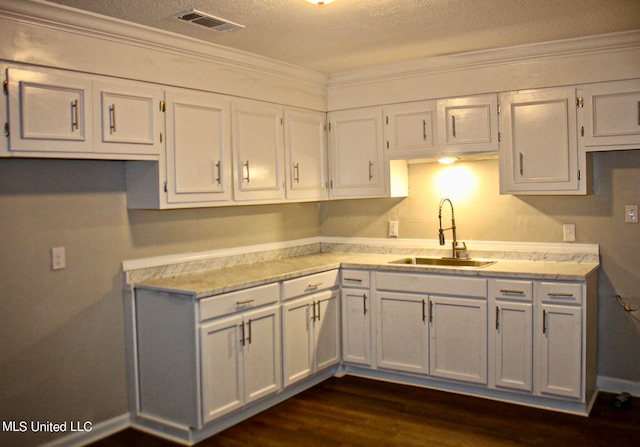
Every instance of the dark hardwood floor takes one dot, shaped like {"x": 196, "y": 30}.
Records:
{"x": 351, "y": 412}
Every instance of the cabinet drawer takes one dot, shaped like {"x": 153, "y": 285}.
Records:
{"x": 558, "y": 292}
{"x": 310, "y": 284}
{"x": 513, "y": 290}
{"x": 432, "y": 284}
{"x": 356, "y": 278}
{"x": 237, "y": 301}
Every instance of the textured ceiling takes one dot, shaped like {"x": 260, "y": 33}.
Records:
{"x": 354, "y": 34}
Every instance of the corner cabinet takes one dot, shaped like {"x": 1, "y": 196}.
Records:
{"x": 258, "y": 148}
{"x": 538, "y": 143}
{"x": 356, "y": 152}
{"x": 306, "y": 155}
{"x": 196, "y": 167}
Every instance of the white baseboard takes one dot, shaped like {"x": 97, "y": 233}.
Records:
{"x": 613, "y": 385}
{"x": 97, "y": 432}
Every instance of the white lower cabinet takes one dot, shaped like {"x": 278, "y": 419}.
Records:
{"x": 458, "y": 338}
{"x": 310, "y": 340}
{"x": 357, "y": 311}
{"x": 242, "y": 353}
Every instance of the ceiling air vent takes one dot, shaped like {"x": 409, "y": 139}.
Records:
{"x": 207, "y": 20}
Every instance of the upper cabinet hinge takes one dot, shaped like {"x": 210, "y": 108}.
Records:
{"x": 329, "y": 126}
{"x": 163, "y": 106}
{"x": 582, "y": 131}
{"x": 166, "y": 188}
{"x": 325, "y": 127}
{"x": 579, "y": 175}
{"x": 579, "y": 102}
{"x": 6, "y": 130}
{"x": 498, "y": 109}
{"x": 387, "y": 120}
{"x": 281, "y": 121}
{"x": 499, "y": 137}
{"x": 5, "y": 87}
{"x": 387, "y": 144}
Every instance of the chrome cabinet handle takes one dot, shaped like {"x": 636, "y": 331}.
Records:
{"x": 353, "y": 279}
{"x": 318, "y": 310}
{"x": 314, "y": 285}
{"x": 430, "y": 311}
{"x": 370, "y": 170}
{"x": 249, "y": 336}
{"x": 76, "y": 115}
{"x": 453, "y": 125}
{"x": 112, "y": 118}
{"x": 521, "y": 165}
{"x": 246, "y": 301}
{"x": 560, "y": 294}
{"x": 245, "y": 165}
{"x": 424, "y": 316}
{"x": 424, "y": 130}
{"x": 296, "y": 172}
{"x": 218, "y": 173}
{"x": 364, "y": 302}
{"x": 497, "y": 318}
{"x": 544, "y": 321}
{"x": 242, "y": 340}
{"x": 313, "y": 318}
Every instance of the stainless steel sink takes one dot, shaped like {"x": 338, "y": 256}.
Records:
{"x": 450, "y": 262}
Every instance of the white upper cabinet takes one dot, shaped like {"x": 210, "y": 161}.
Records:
{"x": 258, "y": 149}
{"x": 538, "y": 146}
{"x": 198, "y": 161}
{"x": 306, "y": 155}
{"x": 610, "y": 115}
{"x": 468, "y": 125}
{"x": 356, "y": 153}
{"x": 49, "y": 112}
{"x": 129, "y": 116}
{"x": 409, "y": 129}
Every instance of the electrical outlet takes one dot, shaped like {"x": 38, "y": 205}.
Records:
{"x": 393, "y": 228}
{"x": 631, "y": 214}
{"x": 569, "y": 232}
{"x": 58, "y": 258}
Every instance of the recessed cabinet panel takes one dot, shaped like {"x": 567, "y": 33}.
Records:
{"x": 49, "y": 112}
{"x": 306, "y": 155}
{"x": 514, "y": 345}
{"x": 258, "y": 151}
{"x": 611, "y": 115}
{"x": 198, "y": 147}
{"x": 539, "y": 147}
{"x": 409, "y": 129}
{"x": 356, "y": 150}
{"x": 468, "y": 125}
{"x": 130, "y": 118}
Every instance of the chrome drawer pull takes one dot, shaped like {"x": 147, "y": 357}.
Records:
{"x": 314, "y": 285}
{"x": 247, "y": 301}
{"x": 515, "y": 292}
{"x": 560, "y": 294}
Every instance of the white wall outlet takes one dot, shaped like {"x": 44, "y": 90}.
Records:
{"x": 631, "y": 214}
{"x": 569, "y": 232}
{"x": 393, "y": 228}
{"x": 58, "y": 258}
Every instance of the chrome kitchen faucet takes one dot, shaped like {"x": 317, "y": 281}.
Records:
{"x": 458, "y": 249}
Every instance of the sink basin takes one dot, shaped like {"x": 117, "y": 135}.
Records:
{"x": 450, "y": 262}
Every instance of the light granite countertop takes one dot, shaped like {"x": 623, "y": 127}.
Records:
{"x": 213, "y": 282}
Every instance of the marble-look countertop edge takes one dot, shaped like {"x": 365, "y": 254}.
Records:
{"x": 214, "y": 282}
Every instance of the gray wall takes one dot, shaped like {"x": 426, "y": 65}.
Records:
{"x": 483, "y": 214}
{"x": 62, "y": 351}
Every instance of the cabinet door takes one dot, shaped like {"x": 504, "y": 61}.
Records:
{"x": 49, "y": 112}
{"x": 559, "y": 360}
{"x": 306, "y": 155}
{"x": 409, "y": 129}
{"x": 539, "y": 148}
{"x": 458, "y": 339}
{"x": 326, "y": 341}
{"x": 402, "y": 332}
{"x": 513, "y": 361}
{"x": 258, "y": 151}
{"x": 130, "y": 117}
{"x": 222, "y": 367}
{"x": 356, "y": 153}
{"x": 198, "y": 148}
{"x": 611, "y": 115}
{"x": 356, "y": 326}
{"x": 262, "y": 355}
{"x": 468, "y": 125}
{"x": 297, "y": 339}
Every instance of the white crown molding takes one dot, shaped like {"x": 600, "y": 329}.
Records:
{"x": 592, "y": 45}
{"x": 62, "y": 18}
